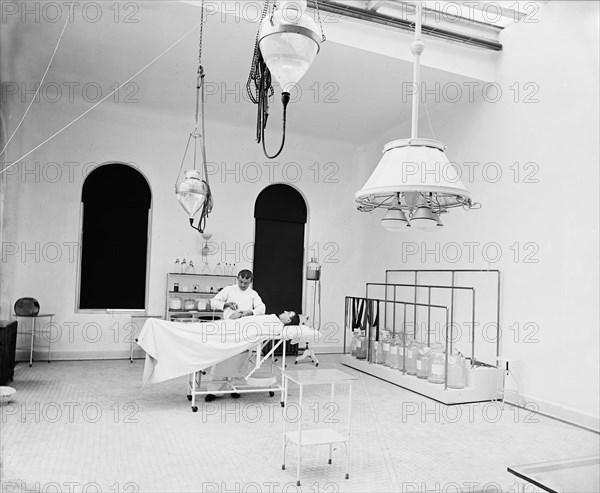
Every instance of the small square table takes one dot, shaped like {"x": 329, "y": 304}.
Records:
{"x": 34, "y": 319}
{"x": 319, "y": 436}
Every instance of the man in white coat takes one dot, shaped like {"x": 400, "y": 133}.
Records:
{"x": 239, "y": 300}
{"x": 236, "y": 301}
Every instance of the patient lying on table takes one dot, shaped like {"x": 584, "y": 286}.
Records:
{"x": 237, "y": 366}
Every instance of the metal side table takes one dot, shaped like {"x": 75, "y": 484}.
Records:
{"x": 319, "y": 436}
{"x": 34, "y": 325}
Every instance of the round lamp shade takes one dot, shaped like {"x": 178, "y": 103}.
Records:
{"x": 193, "y": 192}
{"x": 414, "y": 165}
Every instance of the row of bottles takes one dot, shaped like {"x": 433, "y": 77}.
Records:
{"x": 185, "y": 267}
{"x": 417, "y": 358}
{"x": 226, "y": 270}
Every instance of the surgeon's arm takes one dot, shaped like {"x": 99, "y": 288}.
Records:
{"x": 219, "y": 302}
{"x": 259, "y": 306}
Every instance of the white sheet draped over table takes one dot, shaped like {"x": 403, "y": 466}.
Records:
{"x": 174, "y": 349}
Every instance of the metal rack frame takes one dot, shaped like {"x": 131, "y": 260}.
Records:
{"x": 453, "y": 286}
{"x": 405, "y": 304}
{"x": 431, "y": 286}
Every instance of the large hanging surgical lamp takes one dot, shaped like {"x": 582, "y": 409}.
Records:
{"x": 414, "y": 179}
{"x": 194, "y": 192}
{"x": 286, "y": 45}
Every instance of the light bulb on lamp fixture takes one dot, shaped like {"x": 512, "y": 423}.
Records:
{"x": 205, "y": 249}
{"x": 395, "y": 220}
{"x": 414, "y": 175}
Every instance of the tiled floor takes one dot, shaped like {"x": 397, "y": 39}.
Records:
{"x": 89, "y": 426}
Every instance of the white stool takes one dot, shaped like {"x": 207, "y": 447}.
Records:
{"x": 47, "y": 329}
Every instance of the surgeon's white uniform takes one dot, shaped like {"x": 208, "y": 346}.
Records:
{"x": 247, "y": 299}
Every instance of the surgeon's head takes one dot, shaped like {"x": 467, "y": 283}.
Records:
{"x": 289, "y": 318}
{"x": 244, "y": 279}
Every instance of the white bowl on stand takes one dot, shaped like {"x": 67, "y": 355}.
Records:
{"x": 6, "y": 394}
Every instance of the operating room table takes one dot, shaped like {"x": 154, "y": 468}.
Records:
{"x": 175, "y": 349}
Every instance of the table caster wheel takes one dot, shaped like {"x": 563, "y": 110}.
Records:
{"x": 317, "y": 364}
{"x": 347, "y": 476}
{"x": 297, "y": 483}
{"x": 194, "y": 409}
{"x": 189, "y": 397}
{"x": 283, "y": 467}
{"x": 271, "y": 394}
{"x": 329, "y": 461}
{"x": 282, "y": 404}
{"x": 295, "y": 362}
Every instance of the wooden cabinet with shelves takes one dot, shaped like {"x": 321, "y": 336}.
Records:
{"x": 188, "y": 295}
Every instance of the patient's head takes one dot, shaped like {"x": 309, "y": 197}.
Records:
{"x": 289, "y": 318}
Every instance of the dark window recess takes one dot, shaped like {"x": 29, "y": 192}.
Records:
{"x": 116, "y": 201}
{"x": 280, "y": 214}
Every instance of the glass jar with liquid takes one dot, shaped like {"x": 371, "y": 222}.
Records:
{"x": 412, "y": 351}
{"x": 361, "y": 347}
{"x": 437, "y": 367}
{"x": 377, "y": 356}
{"x": 423, "y": 362}
{"x": 457, "y": 371}
{"x": 354, "y": 343}
{"x": 385, "y": 345}
{"x": 395, "y": 349}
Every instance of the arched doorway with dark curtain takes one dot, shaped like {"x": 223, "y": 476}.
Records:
{"x": 280, "y": 214}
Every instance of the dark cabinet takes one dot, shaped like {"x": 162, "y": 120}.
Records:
{"x": 8, "y": 346}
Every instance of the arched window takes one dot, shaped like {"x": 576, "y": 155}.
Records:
{"x": 280, "y": 216}
{"x": 114, "y": 239}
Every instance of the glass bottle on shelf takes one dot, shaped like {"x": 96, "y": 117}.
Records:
{"x": 412, "y": 352}
{"x": 423, "y": 362}
{"x": 395, "y": 353}
{"x": 457, "y": 371}
{"x": 190, "y": 268}
{"x": 437, "y": 367}
{"x": 177, "y": 266}
{"x": 176, "y": 287}
{"x": 183, "y": 266}
{"x": 401, "y": 352}
{"x": 218, "y": 270}
{"x": 205, "y": 269}
{"x": 376, "y": 348}
{"x": 386, "y": 348}
{"x": 361, "y": 347}
{"x": 380, "y": 355}
{"x": 234, "y": 270}
{"x": 354, "y": 343}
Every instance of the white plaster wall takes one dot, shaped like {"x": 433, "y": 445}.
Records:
{"x": 539, "y": 228}
{"x": 43, "y": 214}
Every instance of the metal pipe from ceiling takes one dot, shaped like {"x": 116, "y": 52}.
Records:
{"x": 403, "y": 24}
